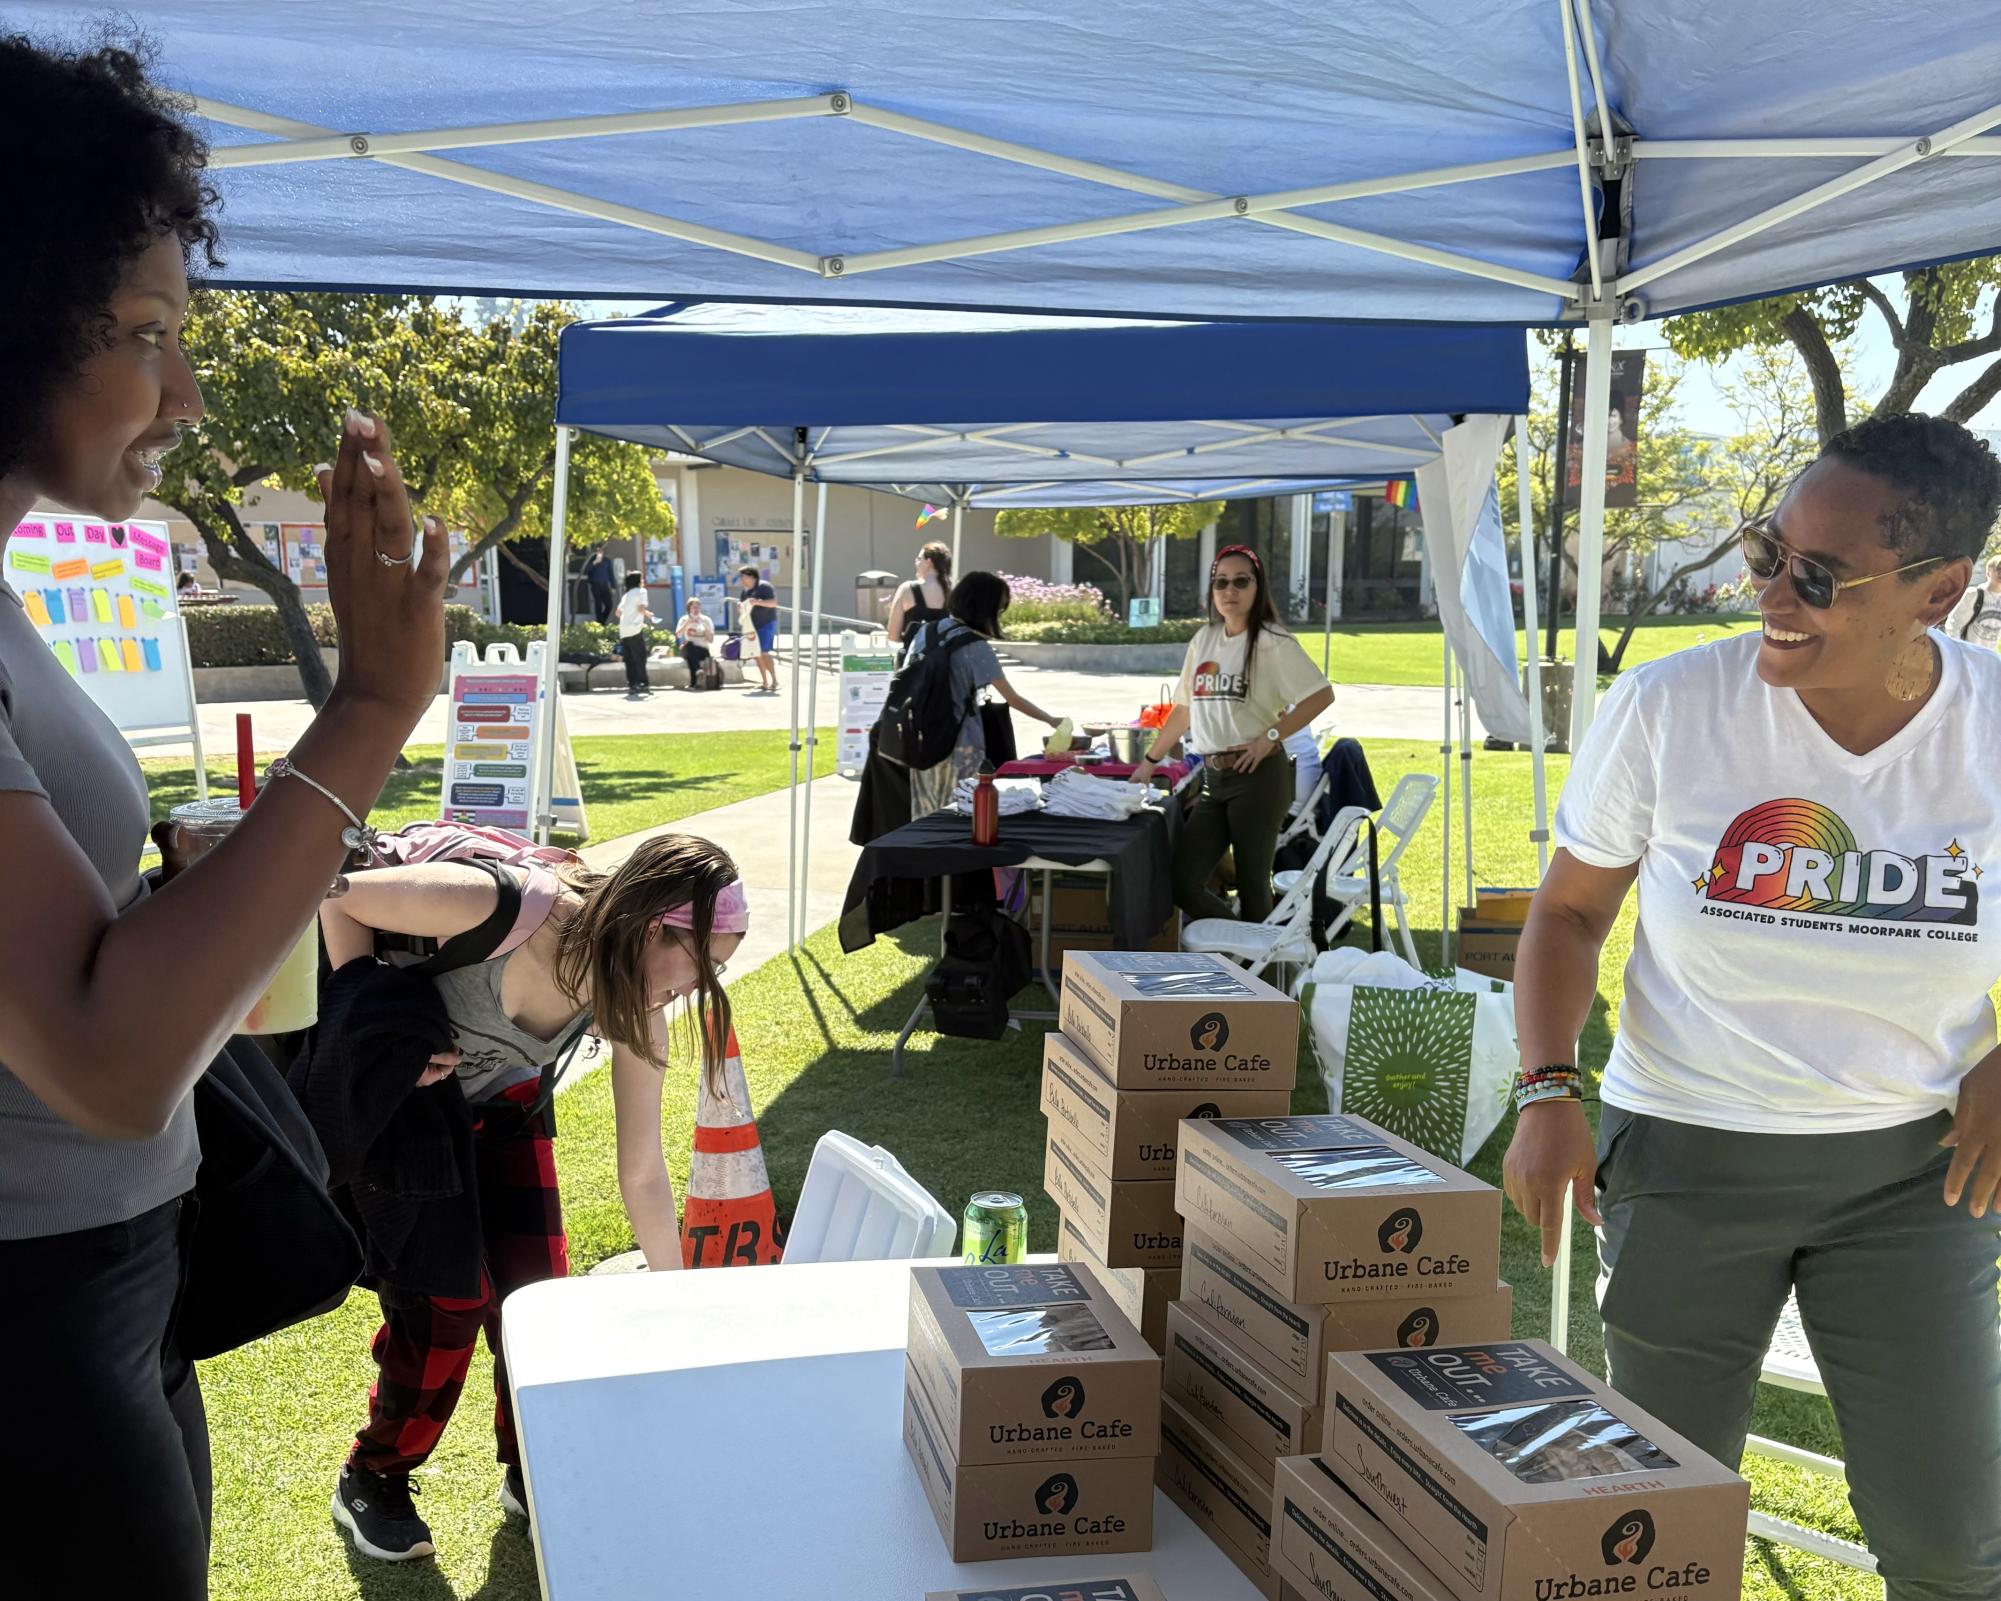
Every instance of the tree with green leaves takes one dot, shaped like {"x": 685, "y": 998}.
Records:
{"x": 1695, "y": 491}
{"x": 1119, "y": 538}
{"x": 471, "y": 410}
{"x": 1950, "y": 317}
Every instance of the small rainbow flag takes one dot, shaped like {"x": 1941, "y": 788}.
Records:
{"x": 930, "y": 514}
{"x": 1398, "y": 492}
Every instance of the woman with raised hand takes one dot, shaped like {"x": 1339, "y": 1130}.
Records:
{"x": 113, "y": 1002}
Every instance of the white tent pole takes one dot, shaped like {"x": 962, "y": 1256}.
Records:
{"x": 1445, "y": 812}
{"x": 543, "y": 780}
{"x": 1591, "y": 527}
{"x": 1327, "y": 603}
{"x": 958, "y": 513}
{"x": 812, "y": 703}
{"x": 1466, "y": 778}
{"x": 792, "y": 785}
{"x": 1531, "y": 616}
{"x": 1591, "y": 251}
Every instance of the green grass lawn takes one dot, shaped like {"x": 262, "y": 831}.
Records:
{"x": 816, "y": 1033}
{"x": 630, "y": 781}
{"x": 1409, "y": 654}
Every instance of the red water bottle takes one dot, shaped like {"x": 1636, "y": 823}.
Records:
{"x": 986, "y": 809}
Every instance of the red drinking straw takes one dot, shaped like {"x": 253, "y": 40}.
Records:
{"x": 246, "y": 763}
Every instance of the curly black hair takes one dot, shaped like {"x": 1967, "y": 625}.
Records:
{"x": 1949, "y": 479}
{"x": 102, "y": 163}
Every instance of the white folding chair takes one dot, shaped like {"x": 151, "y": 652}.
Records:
{"x": 1401, "y": 817}
{"x": 1299, "y": 821}
{"x": 1286, "y": 936}
{"x": 859, "y": 1205}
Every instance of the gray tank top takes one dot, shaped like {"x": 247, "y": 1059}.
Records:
{"x": 496, "y": 1052}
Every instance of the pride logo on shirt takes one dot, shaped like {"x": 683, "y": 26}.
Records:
{"x": 1799, "y": 856}
{"x": 1212, "y": 683}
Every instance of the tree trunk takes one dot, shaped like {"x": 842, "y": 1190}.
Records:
{"x": 235, "y": 557}
{"x": 1830, "y": 401}
{"x": 1647, "y": 607}
{"x": 1108, "y": 564}
{"x": 505, "y": 526}
{"x": 538, "y": 578}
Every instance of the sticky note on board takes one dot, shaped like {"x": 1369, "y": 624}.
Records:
{"x": 74, "y": 567}
{"x": 127, "y": 616}
{"x": 147, "y": 560}
{"x": 94, "y": 534}
{"x": 87, "y": 654}
{"x": 65, "y": 533}
{"x": 146, "y": 586}
{"x": 53, "y": 599}
{"x": 107, "y": 653}
{"x": 38, "y": 613}
{"x": 107, "y": 569}
{"x": 28, "y": 562}
{"x": 32, "y": 531}
{"x": 79, "y": 605}
{"x": 134, "y": 661}
{"x": 66, "y": 654}
{"x": 152, "y": 649}
{"x": 151, "y": 608}
{"x": 100, "y": 605}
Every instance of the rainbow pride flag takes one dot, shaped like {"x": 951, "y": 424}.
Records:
{"x": 930, "y": 514}
{"x": 1400, "y": 492}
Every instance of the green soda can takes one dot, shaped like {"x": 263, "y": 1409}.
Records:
{"x": 996, "y": 1230}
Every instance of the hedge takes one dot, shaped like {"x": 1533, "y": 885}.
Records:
{"x": 252, "y": 636}
{"x": 1174, "y": 631}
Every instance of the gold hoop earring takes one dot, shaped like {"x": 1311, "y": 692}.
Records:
{"x": 1913, "y": 671}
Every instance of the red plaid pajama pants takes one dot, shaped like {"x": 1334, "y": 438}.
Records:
{"x": 424, "y": 1348}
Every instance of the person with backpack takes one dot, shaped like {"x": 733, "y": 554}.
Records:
{"x": 930, "y": 721}
{"x": 1977, "y": 616}
{"x": 607, "y": 952}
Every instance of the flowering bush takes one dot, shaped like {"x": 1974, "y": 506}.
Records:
{"x": 1104, "y": 631}
{"x": 1037, "y": 600}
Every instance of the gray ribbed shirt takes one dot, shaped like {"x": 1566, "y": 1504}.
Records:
{"x": 54, "y": 742}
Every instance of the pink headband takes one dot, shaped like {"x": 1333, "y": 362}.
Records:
{"x": 732, "y": 914}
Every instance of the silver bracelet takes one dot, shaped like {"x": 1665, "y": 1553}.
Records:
{"x": 357, "y": 836}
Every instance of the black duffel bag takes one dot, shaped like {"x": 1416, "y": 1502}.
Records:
{"x": 986, "y": 962}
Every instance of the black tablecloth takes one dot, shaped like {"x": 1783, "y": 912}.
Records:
{"x": 1140, "y": 850}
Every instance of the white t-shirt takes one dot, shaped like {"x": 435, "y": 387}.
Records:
{"x": 631, "y": 613}
{"x": 1814, "y": 948}
{"x": 1221, "y": 712}
{"x": 697, "y": 630}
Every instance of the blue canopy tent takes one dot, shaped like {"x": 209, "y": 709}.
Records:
{"x": 973, "y": 409}
{"x": 1517, "y": 162}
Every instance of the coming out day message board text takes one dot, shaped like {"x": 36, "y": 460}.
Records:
{"x": 102, "y": 595}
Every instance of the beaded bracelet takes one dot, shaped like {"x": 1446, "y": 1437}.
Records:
{"x": 1554, "y": 1083}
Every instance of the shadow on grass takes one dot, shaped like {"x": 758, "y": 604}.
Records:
{"x": 1775, "y": 1569}
{"x": 510, "y": 1572}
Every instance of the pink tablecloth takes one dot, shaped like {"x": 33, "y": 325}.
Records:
{"x": 1049, "y": 767}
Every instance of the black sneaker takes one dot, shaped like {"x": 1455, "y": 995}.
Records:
{"x": 513, "y": 1493}
{"x": 377, "y": 1510}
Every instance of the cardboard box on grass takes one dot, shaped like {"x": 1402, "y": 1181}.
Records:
{"x": 1487, "y": 948}
{"x": 1179, "y": 1020}
{"x": 1126, "y": 1223}
{"x": 1227, "y": 1498}
{"x": 1223, "y": 1388}
{"x": 1131, "y": 1134}
{"x": 1142, "y": 1293}
{"x": 1327, "y": 1544}
{"x": 987, "y": 1511}
{"x": 1116, "y": 1587}
{"x": 1516, "y": 1476}
{"x": 1033, "y": 1363}
{"x": 1333, "y": 1208}
{"x": 1293, "y": 1338}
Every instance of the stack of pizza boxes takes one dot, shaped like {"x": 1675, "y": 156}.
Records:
{"x": 1144, "y": 1040}
{"x": 1304, "y": 1237}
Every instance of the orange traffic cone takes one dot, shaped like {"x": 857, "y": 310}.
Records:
{"x": 729, "y": 1218}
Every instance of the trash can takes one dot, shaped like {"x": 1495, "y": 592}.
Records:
{"x": 1556, "y": 685}
{"x": 873, "y": 593}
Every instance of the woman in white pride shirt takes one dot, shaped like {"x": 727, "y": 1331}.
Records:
{"x": 1246, "y": 687}
{"x": 1805, "y": 1092}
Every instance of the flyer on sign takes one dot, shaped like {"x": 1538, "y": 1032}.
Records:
{"x": 496, "y": 723}
{"x": 865, "y": 677}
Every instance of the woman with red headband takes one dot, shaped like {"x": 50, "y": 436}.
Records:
{"x": 1246, "y": 687}
{"x": 612, "y": 954}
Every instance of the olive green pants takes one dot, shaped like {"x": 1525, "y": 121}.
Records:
{"x": 1705, "y": 1234}
{"x": 1240, "y": 813}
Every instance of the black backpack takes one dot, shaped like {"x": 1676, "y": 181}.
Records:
{"x": 985, "y": 962}
{"x": 920, "y": 721}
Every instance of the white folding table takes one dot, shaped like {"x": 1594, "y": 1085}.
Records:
{"x": 736, "y": 1434}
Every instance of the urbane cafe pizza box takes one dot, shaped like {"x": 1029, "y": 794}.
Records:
{"x": 991, "y": 1510}
{"x": 1226, "y": 1497}
{"x": 1333, "y": 1208}
{"x": 1294, "y": 1338}
{"x": 1131, "y": 1134}
{"x": 1326, "y": 1542}
{"x": 1031, "y": 1363}
{"x": 1126, "y": 1223}
{"x": 1117, "y": 1587}
{"x": 1516, "y": 1476}
{"x": 1157, "y": 1020}
{"x": 1142, "y": 1293}
{"x": 1224, "y": 1389}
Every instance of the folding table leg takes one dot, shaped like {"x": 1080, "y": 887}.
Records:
{"x": 924, "y": 998}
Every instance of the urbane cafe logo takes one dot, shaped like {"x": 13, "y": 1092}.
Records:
{"x": 1419, "y": 1329}
{"x": 1210, "y": 1033}
{"x": 1630, "y": 1540}
{"x": 1057, "y": 1496}
{"x": 1400, "y": 1232}
{"x": 1788, "y": 860}
{"x": 1064, "y": 1398}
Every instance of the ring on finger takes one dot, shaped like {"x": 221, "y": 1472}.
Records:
{"x": 392, "y": 561}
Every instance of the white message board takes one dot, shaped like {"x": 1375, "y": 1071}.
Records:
{"x": 865, "y": 674}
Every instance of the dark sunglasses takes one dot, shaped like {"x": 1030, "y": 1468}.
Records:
{"x": 1241, "y": 581}
{"x": 1816, "y": 587}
